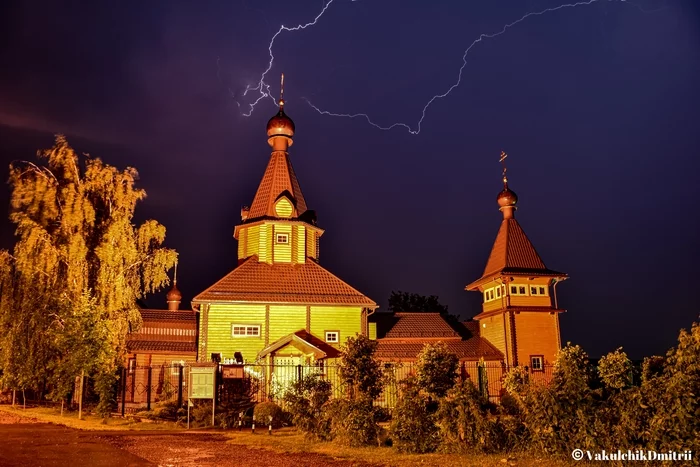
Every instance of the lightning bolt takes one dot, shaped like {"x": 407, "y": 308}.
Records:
{"x": 459, "y": 74}
{"x": 262, "y": 87}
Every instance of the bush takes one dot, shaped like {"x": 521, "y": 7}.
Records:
{"x": 305, "y": 399}
{"x": 359, "y": 370}
{"x": 615, "y": 370}
{"x": 463, "y": 419}
{"x": 436, "y": 369}
{"x": 352, "y": 423}
{"x": 413, "y": 426}
{"x": 264, "y": 410}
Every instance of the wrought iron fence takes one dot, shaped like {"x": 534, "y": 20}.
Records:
{"x": 141, "y": 387}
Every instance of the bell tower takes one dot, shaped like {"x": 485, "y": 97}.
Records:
{"x": 520, "y": 313}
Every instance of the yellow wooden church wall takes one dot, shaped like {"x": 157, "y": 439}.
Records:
{"x": 282, "y": 251}
{"x": 241, "y": 243}
{"x": 311, "y": 244}
{"x": 286, "y": 319}
{"x": 300, "y": 239}
{"x": 493, "y": 332}
{"x": 222, "y": 317}
{"x": 346, "y": 320}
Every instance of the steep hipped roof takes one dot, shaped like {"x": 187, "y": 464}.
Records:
{"x": 306, "y": 283}
{"x": 513, "y": 254}
{"x": 473, "y": 349}
{"x": 279, "y": 178}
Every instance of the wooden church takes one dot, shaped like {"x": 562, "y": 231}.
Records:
{"x": 279, "y": 305}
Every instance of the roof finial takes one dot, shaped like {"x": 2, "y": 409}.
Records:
{"x": 502, "y": 160}
{"x": 282, "y": 93}
{"x": 175, "y": 275}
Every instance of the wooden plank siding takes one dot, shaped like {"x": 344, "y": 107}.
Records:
{"x": 286, "y": 319}
{"x": 300, "y": 243}
{"x": 252, "y": 240}
{"x": 536, "y": 335}
{"x": 222, "y": 317}
{"x": 282, "y": 251}
{"x": 311, "y": 250}
{"x": 346, "y": 320}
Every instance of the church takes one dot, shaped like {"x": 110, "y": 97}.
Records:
{"x": 279, "y": 306}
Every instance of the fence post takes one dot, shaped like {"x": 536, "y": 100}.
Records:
{"x": 179, "y": 386}
{"x": 483, "y": 383}
{"x": 123, "y": 391}
{"x": 298, "y": 372}
{"x": 148, "y": 389}
{"x": 80, "y": 402}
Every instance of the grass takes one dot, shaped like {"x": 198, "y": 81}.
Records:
{"x": 290, "y": 440}
{"x": 89, "y": 421}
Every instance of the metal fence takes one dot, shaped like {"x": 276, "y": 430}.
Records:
{"x": 141, "y": 387}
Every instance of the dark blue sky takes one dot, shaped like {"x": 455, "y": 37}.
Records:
{"x": 598, "y": 107}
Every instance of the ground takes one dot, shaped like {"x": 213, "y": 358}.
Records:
{"x": 33, "y": 441}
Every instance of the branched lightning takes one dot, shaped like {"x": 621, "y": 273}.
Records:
{"x": 459, "y": 74}
{"x": 262, "y": 87}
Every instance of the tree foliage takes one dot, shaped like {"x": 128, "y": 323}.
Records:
{"x": 69, "y": 288}
{"x": 436, "y": 369}
{"x": 359, "y": 371}
{"x": 412, "y": 302}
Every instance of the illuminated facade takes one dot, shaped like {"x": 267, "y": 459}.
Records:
{"x": 520, "y": 313}
{"x": 279, "y": 305}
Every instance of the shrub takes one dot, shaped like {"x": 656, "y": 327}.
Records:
{"x": 436, "y": 369}
{"x": 413, "y": 426}
{"x": 359, "y": 370}
{"x": 615, "y": 370}
{"x": 463, "y": 419}
{"x": 353, "y": 423}
{"x": 305, "y": 399}
{"x": 264, "y": 410}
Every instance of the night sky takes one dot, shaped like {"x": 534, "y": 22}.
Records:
{"x": 598, "y": 107}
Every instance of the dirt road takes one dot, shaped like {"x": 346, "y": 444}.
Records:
{"x": 47, "y": 445}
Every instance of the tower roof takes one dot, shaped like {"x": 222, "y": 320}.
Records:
{"x": 278, "y": 181}
{"x": 512, "y": 253}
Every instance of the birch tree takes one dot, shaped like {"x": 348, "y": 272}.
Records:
{"x": 68, "y": 289}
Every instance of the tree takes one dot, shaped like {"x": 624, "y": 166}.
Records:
{"x": 359, "y": 370}
{"x": 69, "y": 288}
{"x": 436, "y": 369}
{"x": 412, "y": 302}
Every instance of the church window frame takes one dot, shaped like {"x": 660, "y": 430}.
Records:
{"x": 519, "y": 289}
{"x": 282, "y": 238}
{"x": 245, "y": 330}
{"x": 536, "y": 362}
{"x": 332, "y": 337}
{"x": 543, "y": 291}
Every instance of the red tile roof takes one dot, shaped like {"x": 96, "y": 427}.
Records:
{"x": 278, "y": 178}
{"x": 161, "y": 346}
{"x": 513, "y": 254}
{"x": 307, "y": 283}
{"x": 167, "y": 315}
{"x": 473, "y": 348}
{"x": 420, "y": 325}
{"x": 403, "y": 335}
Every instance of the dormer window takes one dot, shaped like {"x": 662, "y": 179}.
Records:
{"x": 282, "y": 238}
{"x": 284, "y": 208}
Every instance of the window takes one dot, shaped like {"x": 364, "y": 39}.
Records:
{"x": 332, "y": 336}
{"x": 543, "y": 291}
{"x": 536, "y": 362}
{"x": 498, "y": 292}
{"x": 513, "y": 290}
{"x": 282, "y": 238}
{"x": 518, "y": 290}
{"x": 245, "y": 330}
{"x": 533, "y": 290}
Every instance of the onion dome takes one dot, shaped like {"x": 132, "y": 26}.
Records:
{"x": 174, "y": 294}
{"x": 280, "y": 124}
{"x": 507, "y": 197}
